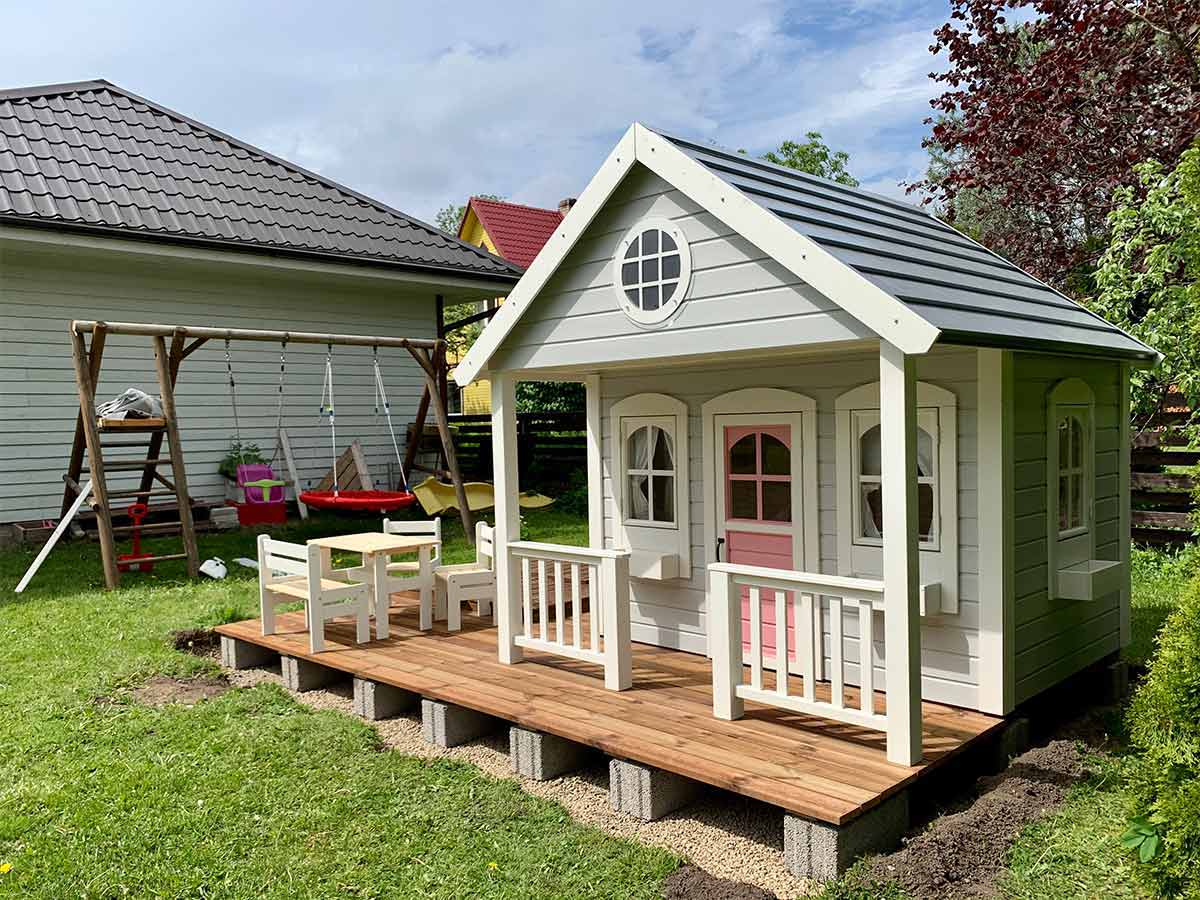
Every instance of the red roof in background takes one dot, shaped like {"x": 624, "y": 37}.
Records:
{"x": 517, "y": 231}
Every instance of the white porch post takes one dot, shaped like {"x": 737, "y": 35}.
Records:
{"x": 595, "y": 463}
{"x": 901, "y": 562}
{"x": 508, "y": 515}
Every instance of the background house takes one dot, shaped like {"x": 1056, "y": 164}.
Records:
{"x": 113, "y": 207}
{"x": 513, "y": 232}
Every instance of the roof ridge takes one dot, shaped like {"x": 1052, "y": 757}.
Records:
{"x": 545, "y": 209}
{"x": 103, "y": 84}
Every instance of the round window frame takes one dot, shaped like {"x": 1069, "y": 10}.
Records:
{"x": 667, "y": 310}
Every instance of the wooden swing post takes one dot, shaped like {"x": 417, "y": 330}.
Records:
{"x": 185, "y": 340}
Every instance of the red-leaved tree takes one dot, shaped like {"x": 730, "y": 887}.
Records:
{"x": 1049, "y": 105}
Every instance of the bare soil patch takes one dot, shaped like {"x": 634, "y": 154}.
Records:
{"x": 962, "y": 854}
{"x": 162, "y": 690}
{"x": 199, "y": 641}
{"x": 693, "y": 883}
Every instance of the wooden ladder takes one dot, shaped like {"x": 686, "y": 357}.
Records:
{"x": 91, "y": 434}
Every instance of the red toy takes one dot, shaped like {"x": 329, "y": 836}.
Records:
{"x": 128, "y": 562}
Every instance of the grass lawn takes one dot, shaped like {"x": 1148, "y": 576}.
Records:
{"x": 249, "y": 794}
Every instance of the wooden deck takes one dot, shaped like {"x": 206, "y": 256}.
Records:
{"x": 820, "y": 769}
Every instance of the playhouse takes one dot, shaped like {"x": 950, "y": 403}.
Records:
{"x": 767, "y": 355}
{"x": 856, "y": 487}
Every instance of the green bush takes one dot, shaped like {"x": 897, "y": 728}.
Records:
{"x": 1164, "y": 724}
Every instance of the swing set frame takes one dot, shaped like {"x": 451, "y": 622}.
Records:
{"x": 429, "y": 354}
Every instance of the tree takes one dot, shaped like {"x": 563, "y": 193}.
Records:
{"x": 1041, "y": 123}
{"x": 450, "y": 216}
{"x": 814, "y": 157}
{"x": 1149, "y": 277}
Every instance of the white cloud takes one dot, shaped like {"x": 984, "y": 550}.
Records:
{"x": 424, "y": 105}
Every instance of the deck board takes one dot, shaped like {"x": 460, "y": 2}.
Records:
{"x": 824, "y": 770}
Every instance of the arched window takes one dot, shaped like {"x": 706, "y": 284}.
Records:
{"x": 1073, "y": 487}
{"x": 650, "y": 475}
{"x": 870, "y": 486}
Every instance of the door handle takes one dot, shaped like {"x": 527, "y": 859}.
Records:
{"x": 720, "y": 541}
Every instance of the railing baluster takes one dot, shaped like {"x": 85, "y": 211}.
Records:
{"x": 756, "y": 642}
{"x": 559, "y": 605}
{"x": 804, "y": 626}
{"x": 593, "y": 608}
{"x": 866, "y": 665}
{"x": 576, "y": 606}
{"x": 837, "y": 683}
{"x": 543, "y": 608}
{"x": 527, "y": 596}
{"x": 781, "y": 643}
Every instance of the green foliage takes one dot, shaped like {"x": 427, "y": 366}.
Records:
{"x": 1149, "y": 277}
{"x": 240, "y": 453}
{"x": 814, "y": 157}
{"x": 1164, "y": 724}
{"x": 574, "y": 500}
{"x": 550, "y": 396}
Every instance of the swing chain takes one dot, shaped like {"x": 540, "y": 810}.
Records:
{"x": 327, "y": 390}
{"x": 381, "y": 397}
{"x": 237, "y": 426}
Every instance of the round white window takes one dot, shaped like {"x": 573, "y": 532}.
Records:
{"x": 652, "y": 270}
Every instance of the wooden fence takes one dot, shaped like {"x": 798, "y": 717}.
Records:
{"x": 550, "y": 446}
{"x": 1162, "y": 487}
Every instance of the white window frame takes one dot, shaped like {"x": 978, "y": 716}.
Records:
{"x": 1064, "y": 548}
{"x": 630, "y": 425}
{"x": 648, "y": 539}
{"x": 937, "y": 413}
{"x": 862, "y": 420}
{"x": 666, "y": 310}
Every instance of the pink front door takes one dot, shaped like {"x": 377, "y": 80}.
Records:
{"x": 758, "y": 515}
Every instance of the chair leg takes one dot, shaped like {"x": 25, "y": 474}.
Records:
{"x": 268, "y": 613}
{"x": 453, "y": 608}
{"x": 426, "y": 621}
{"x": 364, "y": 622}
{"x": 316, "y": 629}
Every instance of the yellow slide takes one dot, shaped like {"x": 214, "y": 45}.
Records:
{"x": 437, "y": 497}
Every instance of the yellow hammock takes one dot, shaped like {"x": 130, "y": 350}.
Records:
{"x": 437, "y": 497}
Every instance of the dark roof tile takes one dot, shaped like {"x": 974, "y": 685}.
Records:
{"x": 112, "y": 158}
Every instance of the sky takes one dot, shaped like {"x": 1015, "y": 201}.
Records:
{"x": 424, "y": 104}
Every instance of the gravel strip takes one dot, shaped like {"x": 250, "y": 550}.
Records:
{"x": 728, "y": 835}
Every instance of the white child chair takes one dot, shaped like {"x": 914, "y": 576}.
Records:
{"x": 302, "y": 579}
{"x": 459, "y": 584}
{"x": 406, "y": 576}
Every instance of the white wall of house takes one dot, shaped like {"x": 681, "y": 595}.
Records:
{"x": 42, "y": 289}
{"x": 739, "y": 298}
{"x": 1055, "y": 638}
{"x": 672, "y": 613}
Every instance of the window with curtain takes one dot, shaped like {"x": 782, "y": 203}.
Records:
{"x": 869, "y": 472}
{"x": 650, "y": 475}
{"x": 1072, "y": 483}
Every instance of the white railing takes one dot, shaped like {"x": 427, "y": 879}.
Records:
{"x": 607, "y": 633}
{"x": 803, "y": 590}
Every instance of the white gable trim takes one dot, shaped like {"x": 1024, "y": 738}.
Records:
{"x": 878, "y": 310}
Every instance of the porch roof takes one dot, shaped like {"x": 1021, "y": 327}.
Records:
{"x": 909, "y": 277}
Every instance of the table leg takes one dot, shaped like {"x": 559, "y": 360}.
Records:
{"x": 425, "y": 575}
{"x": 378, "y": 563}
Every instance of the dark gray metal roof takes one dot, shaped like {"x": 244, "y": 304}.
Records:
{"x": 92, "y": 155}
{"x": 960, "y": 287}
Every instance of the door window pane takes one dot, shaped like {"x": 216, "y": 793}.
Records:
{"x": 777, "y": 501}
{"x": 743, "y": 499}
{"x": 776, "y": 456}
{"x": 741, "y": 456}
